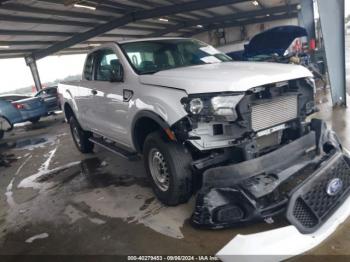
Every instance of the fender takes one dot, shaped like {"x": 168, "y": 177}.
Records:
{"x": 151, "y": 115}
{"x": 8, "y": 121}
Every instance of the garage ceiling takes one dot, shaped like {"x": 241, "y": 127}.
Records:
{"x": 43, "y": 27}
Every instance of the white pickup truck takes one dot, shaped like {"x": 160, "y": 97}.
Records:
{"x": 237, "y": 130}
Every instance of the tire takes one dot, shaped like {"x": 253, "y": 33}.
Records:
{"x": 172, "y": 165}
{"x": 80, "y": 137}
{"x": 2, "y": 134}
{"x": 35, "y": 120}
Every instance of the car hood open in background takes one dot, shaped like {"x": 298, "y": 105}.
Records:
{"x": 273, "y": 41}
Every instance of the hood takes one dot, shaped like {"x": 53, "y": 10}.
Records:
{"x": 275, "y": 40}
{"x": 225, "y": 77}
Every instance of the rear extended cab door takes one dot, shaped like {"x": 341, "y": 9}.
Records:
{"x": 83, "y": 95}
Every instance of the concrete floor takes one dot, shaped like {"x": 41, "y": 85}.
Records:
{"x": 92, "y": 204}
{"x": 54, "y": 200}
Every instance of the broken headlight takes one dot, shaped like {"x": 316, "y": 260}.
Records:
{"x": 219, "y": 107}
{"x": 225, "y": 106}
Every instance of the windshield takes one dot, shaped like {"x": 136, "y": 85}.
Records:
{"x": 148, "y": 57}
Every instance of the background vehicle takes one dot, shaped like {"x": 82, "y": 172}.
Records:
{"x": 273, "y": 45}
{"x": 13, "y": 97}
{"x": 29, "y": 109}
{"x": 189, "y": 110}
{"x": 50, "y": 97}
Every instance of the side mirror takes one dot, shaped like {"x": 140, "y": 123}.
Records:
{"x": 117, "y": 72}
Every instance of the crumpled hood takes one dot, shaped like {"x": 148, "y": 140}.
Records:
{"x": 273, "y": 41}
{"x": 225, "y": 77}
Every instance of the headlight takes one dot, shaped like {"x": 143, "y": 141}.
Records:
{"x": 226, "y": 106}
{"x": 210, "y": 107}
{"x": 196, "y": 106}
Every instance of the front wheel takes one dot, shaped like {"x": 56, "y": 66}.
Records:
{"x": 168, "y": 167}
{"x": 80, "y": 137}
{"x": 2, "y": 133}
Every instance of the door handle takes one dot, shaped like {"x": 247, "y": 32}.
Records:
{"x": 94, "y": 92}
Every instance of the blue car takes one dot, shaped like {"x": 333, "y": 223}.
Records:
{"x": 14, "y": 112}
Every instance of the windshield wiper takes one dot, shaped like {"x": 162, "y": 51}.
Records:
{"x": 149, "y": 72}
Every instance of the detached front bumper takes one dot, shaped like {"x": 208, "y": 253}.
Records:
{"x": 281, "y": 243}
{"x": 305, "y": 181}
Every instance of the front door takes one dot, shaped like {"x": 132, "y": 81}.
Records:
{"x": 110, "y": 112}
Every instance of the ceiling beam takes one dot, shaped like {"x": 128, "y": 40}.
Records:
{"x": 55, "y": 33}
{"x": 40, "y": 42}
{"x": 49, "y": 21}
{"x": 36, "y": 20}
{"x": 65, "y": 13}
{"x": 234, "y": 9}
{"x": 114, "y": 7}
{"x": 28, "y": 51}
{"x": 241, "y": 23}
{"x": 190, "y": 13}
{"x": 132, "y": 17}
{"x": 100, "y": 7}
{"x": 34, "y": 33}
{"x": 132, "y": 8}
{"x": 235, "y": 16}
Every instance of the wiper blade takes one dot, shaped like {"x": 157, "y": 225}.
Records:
{"x": 148, "y": 72}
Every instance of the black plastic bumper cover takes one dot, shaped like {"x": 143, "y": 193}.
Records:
{"x": 305, "y": 181}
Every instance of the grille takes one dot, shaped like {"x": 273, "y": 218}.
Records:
{"x": 313, "y": 205}
{"x": 275, "y": 112}
{"x": 304, "y": 215}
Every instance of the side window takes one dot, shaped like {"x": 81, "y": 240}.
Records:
{"x": 89, "y": 67}
{"x": 106, "y": 60}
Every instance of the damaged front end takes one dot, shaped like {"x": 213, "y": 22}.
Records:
{"x": 305, "y": 181}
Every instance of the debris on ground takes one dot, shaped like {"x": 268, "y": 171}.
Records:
{"x": 40, "y": 236}
{"x": 7, "y": 159}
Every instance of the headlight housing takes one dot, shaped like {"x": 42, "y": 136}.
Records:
{"x": 225, "y": 106}
{"x": 219, "y": 107}
{"x": 196, "y": 106}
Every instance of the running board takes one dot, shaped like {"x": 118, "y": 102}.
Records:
{"x": 115, "y": 149}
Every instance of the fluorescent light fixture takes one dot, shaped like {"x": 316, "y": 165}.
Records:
{"x": 256, "y": 3}
{"x": 4, "y": 46}
{"x": 199, "y": 26}
{"x": 163, "y": 19}
{"x": 85, "y": 6}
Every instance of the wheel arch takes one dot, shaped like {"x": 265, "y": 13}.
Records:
{"x": 8, "y": 121}
{"x": 68, "y": 111}
{"x": 144, "y": 123}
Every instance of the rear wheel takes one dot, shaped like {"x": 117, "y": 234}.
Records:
{"x": 168, "y": 167}
{"x": 35, "y": 120}
{"x": 80, "y": 137}
{"x": 2, "y": 133}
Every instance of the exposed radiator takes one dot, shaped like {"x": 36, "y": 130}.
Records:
{"x": 279, "y": 110}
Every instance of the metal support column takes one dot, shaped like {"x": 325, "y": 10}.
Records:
{"x": 333, "y": 28}
{"x": 34, "y": 69}
{"x": 307, "y": 17}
